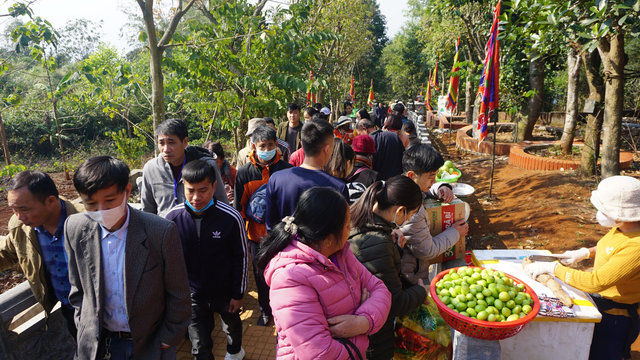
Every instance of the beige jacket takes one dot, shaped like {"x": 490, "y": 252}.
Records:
{"x": 21, "y": 246}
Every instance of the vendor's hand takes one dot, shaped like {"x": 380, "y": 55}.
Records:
{"x": 346, "y": 326}
{"x": 462, "y": 227}
{"x": 445, "y": 194}
{"x": 426, "y": 287}
{"x": 539, "y": 268}
{"x": 398, "y": 237}
{"x": 235, "y": 305}
{"x": 574, "y": 256}
{"x": 365, "y": 295}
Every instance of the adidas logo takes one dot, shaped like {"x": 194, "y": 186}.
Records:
{"x": 216, "y": 234}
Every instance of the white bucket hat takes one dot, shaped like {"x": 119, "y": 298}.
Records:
{"x": 618, "y": 197}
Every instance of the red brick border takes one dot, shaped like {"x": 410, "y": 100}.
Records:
{"x": 470, "y": 144}
{"x": 518, "y": 157}
{"x": 443, "y": 123}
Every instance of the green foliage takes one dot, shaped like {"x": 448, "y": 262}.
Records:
{"x": 11, "y": 170}
{"x": 131, "y": 150}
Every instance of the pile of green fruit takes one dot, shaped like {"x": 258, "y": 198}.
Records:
{"x": 484, "y": 294}
{"x": 449, "y": 168}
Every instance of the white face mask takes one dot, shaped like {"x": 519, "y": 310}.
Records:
{"x": 606, "y": 221}
{"x": 403, "y": 223}
{"x": 108, "y": 218}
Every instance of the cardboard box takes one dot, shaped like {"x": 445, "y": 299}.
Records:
{"x": 442, "y": 216}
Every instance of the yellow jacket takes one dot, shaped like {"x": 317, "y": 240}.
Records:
{"x": 21, "y": 246}
{"x": 616, "y": 271}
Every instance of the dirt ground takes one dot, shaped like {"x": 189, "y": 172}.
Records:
{"x": 529, "y": 209}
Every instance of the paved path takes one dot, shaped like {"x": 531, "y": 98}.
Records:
{"x": 259, "y": 342}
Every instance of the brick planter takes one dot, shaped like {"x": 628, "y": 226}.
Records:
{"x": 466, "y": 142}
{"x": 443, "y": 122}
{"x": 518, "y": 157}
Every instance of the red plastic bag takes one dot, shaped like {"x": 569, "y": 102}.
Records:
{"x": 423, "y": 335}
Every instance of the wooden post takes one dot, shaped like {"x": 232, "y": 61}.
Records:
{"x": 5, "y": 143}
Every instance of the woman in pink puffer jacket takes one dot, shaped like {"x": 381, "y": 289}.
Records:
{"x": 319, "y": 291}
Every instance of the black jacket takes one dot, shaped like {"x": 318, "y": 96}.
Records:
{"x": 374, "y": 248}
{"x": 387, "y": 160}
{"x": 217, "y": 260}
{"x": 366, "y": 177}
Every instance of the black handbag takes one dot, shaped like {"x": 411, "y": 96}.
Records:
{"x": 351, "y": 347}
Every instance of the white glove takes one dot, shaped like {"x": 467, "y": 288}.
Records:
{"x": 539, "y": 268}
{"x": 574, "y": 256}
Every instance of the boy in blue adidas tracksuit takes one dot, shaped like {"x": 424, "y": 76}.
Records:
{"x": 214, "y": 244}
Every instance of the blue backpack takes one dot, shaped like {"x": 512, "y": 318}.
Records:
{"x": 257, "y": 206}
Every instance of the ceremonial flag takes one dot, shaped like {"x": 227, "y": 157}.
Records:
{"x": 422, "y": 89}
{"x": 489, "y": 81}
{"x": 452, "y": 94}
{"x": 311, "y": 97}
{"x": 434, "y": 78}
{"x": 427, "y": 101}
{"x": 352, "y": 92}
{"x": 370, "y": 100}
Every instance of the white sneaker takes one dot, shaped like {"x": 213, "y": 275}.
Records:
{"x": 238, "y": 356}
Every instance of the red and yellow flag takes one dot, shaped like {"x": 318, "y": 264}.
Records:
{"x": 352, "y": 92}
{"x": 434, "y": 78}
{"x": 311, "y": 97}
{"x": 452, "y": 94}
{"x": 371, "y": 98}
{"x": 490, "y": 79}
{"x": 427, "y": 101}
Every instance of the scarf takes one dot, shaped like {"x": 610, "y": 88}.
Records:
{"x": 365, "y": 161}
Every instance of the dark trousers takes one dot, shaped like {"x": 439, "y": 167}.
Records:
{"x": 67, "y": 313}
{"x": 610, "y": 336}
{"x": 261, "y": 284}
{"x": 123, "y": 349}
{"x": 203, "y": 322}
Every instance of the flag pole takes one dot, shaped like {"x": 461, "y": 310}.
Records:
{"x": 493, "y": 153}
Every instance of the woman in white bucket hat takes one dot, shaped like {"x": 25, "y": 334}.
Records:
{"x": 614, "y": 283}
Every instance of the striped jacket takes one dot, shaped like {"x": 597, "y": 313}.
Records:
{"x": 217, "y": 260}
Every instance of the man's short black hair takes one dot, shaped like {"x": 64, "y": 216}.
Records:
{"x": 263, "y": 133}
{"x": 315, "y": 134}
{"x": 293, "y": 107}
{"x": 39, "y": 184}
{"x": 399, "y": 108}
{"x": 317, "y": 106}
{"x": 269, "y": 120}
{"x": 409, "y": 127}
{"x": 175, "y": 127}
{"x": 100, "y": 172}
{"x": 311, "y": 111}
{"x": 421, "y": 158}
{"x": 197, "y": 171}
{"x": 319, "y": 116}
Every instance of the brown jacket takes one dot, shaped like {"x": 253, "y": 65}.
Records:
{"x": 21, "y": 246}
{"x": 283, "y": 129}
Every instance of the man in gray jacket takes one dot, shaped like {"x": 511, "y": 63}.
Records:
{"x": 162, "y": 187}
{"x": 421, "y": 163}
{"x": 129, "y": 285}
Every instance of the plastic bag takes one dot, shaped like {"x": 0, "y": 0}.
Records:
{"x": 423, "y": 335}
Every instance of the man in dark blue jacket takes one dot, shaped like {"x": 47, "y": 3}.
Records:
{"x": 214, "y": 243}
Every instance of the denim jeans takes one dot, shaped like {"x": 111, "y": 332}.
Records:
{"x": 261, "y": 284}
{"x": 203, "y": 322}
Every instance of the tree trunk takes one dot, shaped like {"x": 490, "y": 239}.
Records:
{"x": 571, "y": 116}
{"x": 5, "y": 144}
{"x": 614, "y": 60}
{"x": 468, "y": 102}
{"x": 156, "y": 50}
{"x": 591, "y": 148}
{"x": 534, "y": 105}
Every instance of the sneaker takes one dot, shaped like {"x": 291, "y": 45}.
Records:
{"x": 263, "y": 320}
{"x": 237, "y": 356}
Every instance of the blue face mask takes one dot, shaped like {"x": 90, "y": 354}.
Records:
{"x": 266, "y": 155}
{"x": 210, "y": 204}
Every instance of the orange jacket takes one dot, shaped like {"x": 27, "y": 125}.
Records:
{"x": 248, "y": 179}
{"x": 347, "y": 137}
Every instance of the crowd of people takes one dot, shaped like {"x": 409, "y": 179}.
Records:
{"x": 331, "y": 216}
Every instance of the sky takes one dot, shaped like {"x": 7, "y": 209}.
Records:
{"x": 59, "y": 12}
